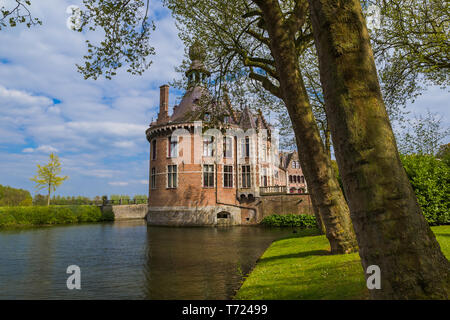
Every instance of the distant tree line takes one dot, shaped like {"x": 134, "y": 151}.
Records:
{"x": 41, "y": 200}
{"x": 14, "y": 197}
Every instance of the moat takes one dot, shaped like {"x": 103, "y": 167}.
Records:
{"x": 129, "y": 260}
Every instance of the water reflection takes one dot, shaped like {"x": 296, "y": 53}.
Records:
{"x": 129, "y": 260}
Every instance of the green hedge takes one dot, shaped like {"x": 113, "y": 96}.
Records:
{"x": 43, "y": 215}
{"x": 430, "y": 179}
{"x": 289, "y": 220}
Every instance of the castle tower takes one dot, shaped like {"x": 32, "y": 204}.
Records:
{"x": 197, "y": 73}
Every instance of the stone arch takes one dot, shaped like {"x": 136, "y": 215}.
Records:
{"x": 223, "y": 215}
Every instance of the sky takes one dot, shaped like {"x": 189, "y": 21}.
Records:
{"x": 96, "y": 127}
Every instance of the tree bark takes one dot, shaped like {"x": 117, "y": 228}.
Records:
{"x": 390, "y": 227}
{"x": 326, "y": 195}
{"x": 48, "y": 197}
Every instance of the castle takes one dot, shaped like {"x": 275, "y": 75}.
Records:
{"x": 211, "y": 164}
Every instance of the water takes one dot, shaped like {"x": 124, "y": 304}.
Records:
{"x": 129, "y": 260}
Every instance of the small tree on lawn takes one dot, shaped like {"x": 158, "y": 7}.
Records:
{"x": 47, "y": 176}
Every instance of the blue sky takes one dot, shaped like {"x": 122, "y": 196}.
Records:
{"x": 96, "y": 127}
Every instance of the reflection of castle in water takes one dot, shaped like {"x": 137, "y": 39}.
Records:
{"x": 211, "y": 164}
{"x": 194, "y": 263}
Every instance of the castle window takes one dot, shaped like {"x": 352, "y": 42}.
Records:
{"x": 153, "y": 178}
{"x": 245, "y": 147}
{"x": 208, "y": 150}
{"x": 264, "y": 177}
{"x": 227, "y": 147}
{"x": 226, "y": 119}
{"x": 173, "y": 147}
{"x": 290, "y": 179}
{"x": 154, "y": 149}
{"x": 208, "y": 176}
{"x": 295, "y": 179}
{"x": 302, "y": 179}
{"x": 228, "y": 176}
{"x": 172, "y": 176}
{"x": 264, "y": 152}
{"x": 246, "y": 178}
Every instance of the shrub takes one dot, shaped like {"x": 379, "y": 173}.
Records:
{"x": 290, "y": 220}
{"x": 42, "y": 215}
{"x": 430, "y": 179}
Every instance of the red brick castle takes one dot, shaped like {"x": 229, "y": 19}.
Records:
{"x": 211, "y": 164}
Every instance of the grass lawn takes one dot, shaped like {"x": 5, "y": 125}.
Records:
{"x": 300, "y": 267}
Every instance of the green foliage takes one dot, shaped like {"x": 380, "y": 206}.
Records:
{"x": 47, "y": 176}
{"x": 14, "y": 197}
{"x": 430, "y": 179}
{"x": 17, "y": 12}
{"x": 444, "y": 153}
{"x": 290, "y": 220}
{"x": 126, "y": 28}
{"x": 49, "y": 215}
{"x": 411, "y": 46}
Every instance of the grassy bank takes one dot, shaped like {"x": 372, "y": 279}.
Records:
{"x": 300, "y": 267}
{"x": 43, "y": 215}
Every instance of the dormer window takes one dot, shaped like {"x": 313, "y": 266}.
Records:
{"x": 208, "y": 146}
{"x": 226, "y": 119}
{"x": 207, "y": 117}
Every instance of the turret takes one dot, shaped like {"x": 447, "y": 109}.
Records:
{"x": 197, "y": 73}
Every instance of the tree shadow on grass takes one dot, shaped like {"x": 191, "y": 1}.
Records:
{"x": 297, "y": 255}
{"x": 442, "y": 234}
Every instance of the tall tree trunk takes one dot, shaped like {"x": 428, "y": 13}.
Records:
{"x": 326, "y": 194}
{"x": 390, "y": 227}
{"x": 48, "y": 197}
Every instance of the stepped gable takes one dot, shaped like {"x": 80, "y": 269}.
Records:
{"x": 285, "y": 159}
{"x": 247, "y": 120}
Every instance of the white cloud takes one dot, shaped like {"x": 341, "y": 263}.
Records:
{"x": 13, "y": 99}
{"x": 43, "y": 149}
{"x": 118, "y": 184}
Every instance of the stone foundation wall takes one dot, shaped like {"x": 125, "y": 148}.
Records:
{"x": 187, "y": 216}
{"x": 207, "y": 216}
{"x": 126, "y": 212}
{"x": 284, "y": 204}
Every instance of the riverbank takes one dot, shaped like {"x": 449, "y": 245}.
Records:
{"x": 300, "y": 267}
{"x": 51, "y": 215}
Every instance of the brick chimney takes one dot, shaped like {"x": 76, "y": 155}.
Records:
{"x": 163, "y": 115}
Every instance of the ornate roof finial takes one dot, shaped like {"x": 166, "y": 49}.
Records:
{"x": 197, "y": 52}
{"x": 197, "y": 73}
